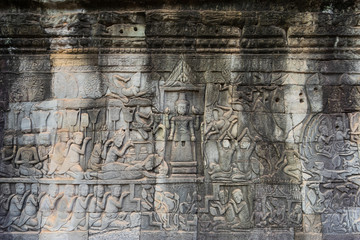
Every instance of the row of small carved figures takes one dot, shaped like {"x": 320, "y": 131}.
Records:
{"x": 64, "y": 157}
{"x": 27, "y": 210}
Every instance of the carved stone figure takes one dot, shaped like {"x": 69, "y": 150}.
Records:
{"x": 15, "y": 207}
{"x": 74, "y": 150}
{"x": 290, "y": 163}
{"x": 113, "y": 218}
{"x": 57, "y": 155}
{"x": 49, "y": 202}
{"x": 27, "y": 157}
{"x": 6, "y": 163}
{"x": 182, "y": 134}
{"x": 240, "y": 210}
{"x": 4, "y": 200}
{"x": 165, "y": 204}
{"x": 63, "y": 210}
{"x": 29, "y": 219}
{"x": 97, "y": 206}
{"x": 78, "y": 219}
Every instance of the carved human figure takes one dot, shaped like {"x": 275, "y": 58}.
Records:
{"x": 97, "y": 206}
{"x": 290, "y": 163}
{"x": 117, "y": 151}
{"x": 28, "y": 159}
{"x": 240, "y": 209}
{"x": 224, "y": 215}
{"x": 182, "y": 132}
{"x": 63, "y": 211}
{"x": 246, "y": 167}
{"x": 6, "y": 164}
{"x": 143, "y": 122}
{"x": 226, "y": 150}
{"x": 95, "y": 160}
{"x": 277, "y": 211}
{"x": 119, "y": 85}
{"x": 57, "y": 154}
{"x": 15, "y": 206}
{"x": 78, "y": 219}
{"x": 75, "y": 149}
{"x": 221, "y": 123}
{"x": 324, "y": 138}
{"x": 48, "y": 202}
{"x": 29, "y": 219}
{"x": 295, "y": 216}
{"x": 164, "y": 205}
{"x": 341, "y": 134}
{"x": 113, "y": 218}
{"x": 4, "y": 200}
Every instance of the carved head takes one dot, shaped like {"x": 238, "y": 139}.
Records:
{"x": 64, "y": 136}
{"x": 53, "y": 190}
{"x": 215, "y": 114}
{"x": 20, "y": 188}
{"x": 34, "y": 189}
{"x": 115, "y": 190}
{"x": 226, "y": 143}
{"x": 99, "y": 190}
{"x": 223, "y": 197}
{"x": 5, "y": 188}
{"x": 78, "y": 137}
{"x": 83, "y": 190}
{"x": 245, "y": 142}
{"x": 69, "y": 190}
{"x": 237, "y": 195}
{"x": 119, "y": 138}
{"x": 181, "y": 105}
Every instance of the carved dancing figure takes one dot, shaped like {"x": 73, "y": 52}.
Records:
{"x": 290, "y": 163}
{"x": 324, "y": 139}
{"x": 222, "y": 123}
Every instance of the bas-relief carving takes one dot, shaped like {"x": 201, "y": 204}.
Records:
{"x": 246, "y": 132}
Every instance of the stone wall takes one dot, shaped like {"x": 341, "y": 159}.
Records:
{"x": 179, "y": 119}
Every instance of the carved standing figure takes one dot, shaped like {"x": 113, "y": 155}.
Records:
{"x": 182, "y": 132}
